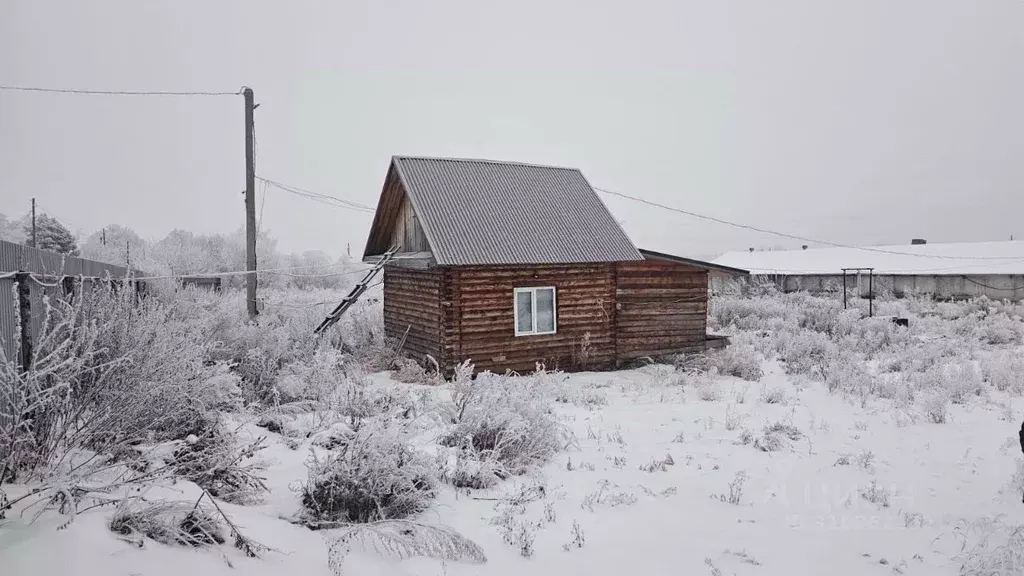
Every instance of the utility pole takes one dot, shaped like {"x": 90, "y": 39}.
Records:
{"x": 103, "y": 237}
{"x": 128, "y": 254}
{"x": 33, "y": 222}
{"x": 250, "y": 206}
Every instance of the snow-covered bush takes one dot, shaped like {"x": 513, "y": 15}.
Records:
{"x": 936, "y": 407}
{"x": 377, "y": 475}
{"x": 990, "y": 546}
{"x": 108, "y": 371}
{"x": 706, "y": 384}
{"x": 804, "y": 352}
{"x": 217, "y": 464}
{"x": 877, "y": 495}
{"x": 1000, "y": 329}
{"x": 843, "y": 373}
{"x": 505, "y": 419}
{"x": 172, "y": 523}
{"x": 775, "y": 395}
{"x": 957, "y": 382}
{"x": 740, "y": 359}
{"x": 1005, "y": 371}
{"x": 777, "y": 436}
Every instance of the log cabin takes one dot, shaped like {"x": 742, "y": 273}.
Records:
{"x": 511, "y": 265}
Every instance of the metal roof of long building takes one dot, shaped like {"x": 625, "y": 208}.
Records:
{"x": 938, "y": 259}
{"x": 484, "y": 212}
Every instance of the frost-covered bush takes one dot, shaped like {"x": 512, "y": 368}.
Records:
{"x": 843, "y": 373}
{"x": 740, "y": 359}
{"x": 172, "y": 523}
{"x": 378, "y": 475}
{"x": 108, "y": 370}
{"x": 777, "y": 436}
{"x": 990, "y": 546}
{"x": 957, "y": 382}
{"x": 706, "y": 385}
{"x": 1005, "y": 371}
{"x": 217, "y": 464}
{"x": 936, "y": 407}
{"x": 507, "y": 419}
{"x": 1000, "y": 329}
{"x": 804, "y": 352}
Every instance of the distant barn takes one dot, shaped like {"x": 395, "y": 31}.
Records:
{"x": 942, "y": 270}
{"x": 509, "y": 265}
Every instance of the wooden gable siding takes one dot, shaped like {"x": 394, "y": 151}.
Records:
{"x": 395, "y": 222}
{"x": 479, "y": 322}
{"x": 661, "y": 309}
{"x": 407, "y": 232}
{"x": 412, "y": 299}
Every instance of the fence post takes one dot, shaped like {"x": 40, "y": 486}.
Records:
{"x": 24, "y": 320}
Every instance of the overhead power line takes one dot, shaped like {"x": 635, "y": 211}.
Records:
{"x": 115, "y": 92}
{"x": 315, "y": 196}
{"x": 796, "y": 237}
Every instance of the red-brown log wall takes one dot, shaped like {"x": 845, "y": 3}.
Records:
{"x": 661, "y": 309}
{"x": 412, "y": 299}
{"x": 478, "y": 319}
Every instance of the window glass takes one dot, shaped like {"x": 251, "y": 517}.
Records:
{"x": 524, "y": 311}
{"x": 545, "y": 310}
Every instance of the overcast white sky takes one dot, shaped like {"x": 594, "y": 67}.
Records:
{"x": 860, "y": 121}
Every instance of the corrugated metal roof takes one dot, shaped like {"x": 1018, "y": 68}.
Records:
{"x": 481, "y": 212}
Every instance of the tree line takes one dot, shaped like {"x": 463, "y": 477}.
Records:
{"x": 182, "y": 252}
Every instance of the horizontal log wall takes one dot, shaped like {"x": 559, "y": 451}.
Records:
{"x": 661, "y": 309}
{"x": 479, "y": 322}
{"x": 412, "y": 299}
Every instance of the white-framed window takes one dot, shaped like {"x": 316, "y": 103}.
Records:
{"x": 535, "y": 311}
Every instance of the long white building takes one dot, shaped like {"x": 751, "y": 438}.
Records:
{"x": 944, "y": 270}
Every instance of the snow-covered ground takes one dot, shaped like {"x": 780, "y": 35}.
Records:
{"x": 657, "y": 480}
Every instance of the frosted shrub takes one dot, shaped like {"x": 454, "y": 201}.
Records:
{"x": 740, "y": 359}
{"x": 1014, "y": 487}
{"x": 872, "y": 336}
{"x": 936, "y": 408}
{"x": 777, "y": 436}
{"x": 804, "y": 352}
{"x": 957, "y": 382}
{"x": 259, "y": 376}
{"x": 877, "y": 495}
{"x": 505, "y": 418}
{"x": 108, "y": 372}
{"x": 990, "y": 547}
{"x": 775, "y": 395}
{"x": 216, "y": 464}
{"x": 169, "y": 523}
{"x": 376, "y": 476}
{"x": 845, "y": 374}
{"x": 315, "y": 378}
{"x": 224, "y": 389}
{"x": 1000, "y": 329}
{"x": 1005, "y": 371}
{"x": 707, "y": 386}
{"x": 735, "y": 489}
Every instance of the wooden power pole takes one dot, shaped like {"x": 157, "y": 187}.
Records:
{"x": 250, "y": 206}
{"x": 34, "y": 223}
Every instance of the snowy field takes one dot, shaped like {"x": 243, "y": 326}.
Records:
{"x": 818, "y": 443}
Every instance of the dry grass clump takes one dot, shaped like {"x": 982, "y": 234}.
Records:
{"x": 507, "y": 423}
{"x": 172, "y": 523}
{"x": 218, "y": 465}
{"x": 377, "y": 475}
